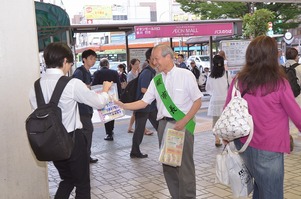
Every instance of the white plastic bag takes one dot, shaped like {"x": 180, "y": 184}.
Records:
{"x": 241, "y": 182}
{"x": 171, "y": 151}
{"x": 221, "y": 171}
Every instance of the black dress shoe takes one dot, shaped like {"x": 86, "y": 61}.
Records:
{"x": 93, "y": 160}
{"x": 218, "y": 144}
{"x": 109, "y": 138}
{"x": 141, "y": 155}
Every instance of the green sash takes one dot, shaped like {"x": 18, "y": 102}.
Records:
{"x": 173, "y": 110}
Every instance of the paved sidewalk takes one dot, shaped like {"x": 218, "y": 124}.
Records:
{"x": 117, "y": 176}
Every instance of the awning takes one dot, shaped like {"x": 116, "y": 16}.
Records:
{"x": 200, "y": 40}
{"x": 53, "y": 24}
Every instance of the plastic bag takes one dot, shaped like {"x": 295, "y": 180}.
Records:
{"x": 221, "y": 171}
{"x": 171, "y": 151}
{"x": 241, "y": 181}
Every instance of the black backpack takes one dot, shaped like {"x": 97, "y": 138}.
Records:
{"x": 130, "y": 91}
{"x": 292, "y": 78}
{"x": 46, "y": 133}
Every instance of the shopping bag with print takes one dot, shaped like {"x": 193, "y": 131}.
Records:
{"x": 240, "y": 179}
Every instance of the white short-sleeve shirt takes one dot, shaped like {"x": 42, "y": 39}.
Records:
{"x": 182, "y": 88}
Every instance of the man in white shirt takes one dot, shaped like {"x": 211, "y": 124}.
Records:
{"x": 74, "y": 171}
{"x": 86, "y": 112}
{"x": 185, "y": 94}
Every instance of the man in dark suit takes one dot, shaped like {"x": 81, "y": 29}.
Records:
{"x": 106, "y": 74}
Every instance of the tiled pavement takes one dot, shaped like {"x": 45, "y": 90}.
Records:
{"x": 117, "y": 176}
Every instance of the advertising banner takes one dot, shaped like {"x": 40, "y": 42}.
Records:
{"x": 211, "y": 29}
{"x": 98, "y": 12}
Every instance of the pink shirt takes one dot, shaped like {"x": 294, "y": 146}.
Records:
{"x": 271, "y": 114}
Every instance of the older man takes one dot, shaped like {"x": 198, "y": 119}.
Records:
{"x": 107, "y": 74}
{"x": 183, "y": 90}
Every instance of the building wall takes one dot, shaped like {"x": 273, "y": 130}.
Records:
{"x": 21, "y": 176}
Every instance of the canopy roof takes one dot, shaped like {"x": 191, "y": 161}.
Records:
{"x": 205, "y": 39}
{"x": 52, "y": 24}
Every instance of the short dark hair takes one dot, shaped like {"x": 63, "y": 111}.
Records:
{"x": 148, "y": 54}
{"x": 291, "y": 53}
{"x": 88, "y": 53}
{"x": 181, "y": 55}
{"x": 55, "y": 53}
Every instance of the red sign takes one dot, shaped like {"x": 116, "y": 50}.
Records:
{"x": 184, "y": 30}
{"x": 88, "y": 9}
{"x": 89, "y": 21}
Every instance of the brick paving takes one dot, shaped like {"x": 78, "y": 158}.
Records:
{"x": 117, "y": 176}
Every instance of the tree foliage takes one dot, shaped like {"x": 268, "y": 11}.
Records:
{"x": 214, "y": 10}
{"x": 257, "y": 23}
{"x": 286, "y": 15}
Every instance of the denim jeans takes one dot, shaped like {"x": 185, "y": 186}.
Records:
{"x": 267, "y": 169}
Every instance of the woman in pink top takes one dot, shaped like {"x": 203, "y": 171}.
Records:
{"x": 271, "y": 103}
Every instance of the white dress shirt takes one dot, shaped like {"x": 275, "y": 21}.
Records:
{"x": 182, "y": 88}
{"x": 74, "y": 92}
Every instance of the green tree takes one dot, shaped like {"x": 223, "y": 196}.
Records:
{"x": 286, "y": 15}
{"x": 257, "y": 23}
{"x": 214, "y": 10}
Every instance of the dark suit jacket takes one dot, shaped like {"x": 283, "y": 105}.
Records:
{"x": 105, "y": 74}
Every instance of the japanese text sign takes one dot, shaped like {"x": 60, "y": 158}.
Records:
{"x": 211, "y": 29}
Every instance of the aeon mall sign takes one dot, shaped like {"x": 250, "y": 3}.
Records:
{"x": 210, "y": 29}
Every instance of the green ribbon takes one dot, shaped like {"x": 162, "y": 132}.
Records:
{"x": 173, "y": 110}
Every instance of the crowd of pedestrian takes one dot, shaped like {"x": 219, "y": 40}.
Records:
{"x": 170, "y": 92}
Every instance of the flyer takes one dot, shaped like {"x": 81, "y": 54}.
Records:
{"x": 172, "y": 147}
{"x": 111, "y": 111}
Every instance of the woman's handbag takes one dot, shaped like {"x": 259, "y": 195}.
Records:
{"x": 235, "y": 120}
{"x": 231, "y": 171}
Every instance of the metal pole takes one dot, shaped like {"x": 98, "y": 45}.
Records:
{"x": 170, "y": 43}
{"x": 210, "y": 46}
{"x": 68, "y": 37}
{"x": 127, "y": 51}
